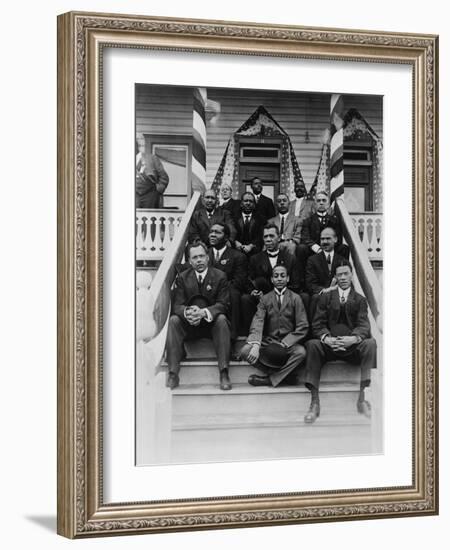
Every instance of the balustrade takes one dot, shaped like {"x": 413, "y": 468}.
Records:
{"x": 369, "y": 226}
{"x": 155, "y": 230}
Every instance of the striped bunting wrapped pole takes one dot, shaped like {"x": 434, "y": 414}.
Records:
{"x": 199, "y": 141}
{"x": 336, "y": 147}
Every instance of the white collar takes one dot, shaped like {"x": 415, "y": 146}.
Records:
{"x": 280, "y": 293}
{"x": 272, "y": 254}
{"x": 220, "y": 251}
{"x": 285, "y": 215}
{"x": 321, "y": 215}
{"x": 344, "y": 293}
{"x": 202, "y": 274}
{"x": 245, "y": 215}
{"x": 329, "y": 253}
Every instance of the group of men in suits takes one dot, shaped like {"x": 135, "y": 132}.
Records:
{"x": 277, "y": 279}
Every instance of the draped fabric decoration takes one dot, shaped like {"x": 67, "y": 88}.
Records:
{"x": 260, "y": 124}
{"x": 199, "y": 141}
{"x": 322, "y": 179}
{"x": 356, "y": 128}
{"x": 336, "y": 147}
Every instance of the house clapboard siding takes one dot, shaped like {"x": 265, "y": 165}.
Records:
{"x": 167, "y": 110}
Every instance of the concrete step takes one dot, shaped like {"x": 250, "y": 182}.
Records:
{"x": 206, "y": 372}
{"x": 285, "y": 419}
{"x": 272, "y": 443}
{"x": 204, "y": 400}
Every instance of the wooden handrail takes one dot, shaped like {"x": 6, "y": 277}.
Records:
{"x": 160, "y": 289}
{"x": 366, "y": 275}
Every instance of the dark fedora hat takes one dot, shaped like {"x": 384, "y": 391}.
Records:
{"x": 273, "y": 356}
{"x": 198, "y": 300}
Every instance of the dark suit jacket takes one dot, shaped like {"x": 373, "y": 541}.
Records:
{"x": 151, "y": 182}
{"x": 233, "y": 206}
{"x": 289, "y": 325}
{"x": 256, "y": 231}
{"x": 292, "y": 227}
{"x": 214, "y": 288}
{"x": 200, "y": 224}
{"x": 312, "y": 227}
{"x": 317, "y": 275}
{"x": 265, "y": 207}
{"x": 234, "y": 264}
{"x": 261, "y": 268}
{"x": 328, "y": 311}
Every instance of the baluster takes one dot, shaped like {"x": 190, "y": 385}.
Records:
{"x": 370, "y": 236}
{"x": 147, "y": 237}
{"x": 167, "y": 239}
{"x": 365, "y": 237}
{"x": 158, "y": 230}
{"x": 361, "y": 228}
{"x": 139, "y": 237}
{"x": 379, "y": 238}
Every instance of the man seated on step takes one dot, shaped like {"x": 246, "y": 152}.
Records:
{"x": 321, "y": 267}
{"x": 341, "y": 330}
{"x": 206, "y": 215}
{"x": 260, "y": 270}
{"x": 288, "y": 225}
{"x": 200, "y": 304}
{"x": 277, "y": 330}
{"x": 234, "y": 264}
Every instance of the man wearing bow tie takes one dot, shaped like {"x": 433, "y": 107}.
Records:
{"x": 260, "y": 270}
{"x": 208, "y": 214}
{"x": 341, "y": 330}
{"x": 234, "y": 264}
{"x": 200, "y": 305}
{"x": 313, "y": 226}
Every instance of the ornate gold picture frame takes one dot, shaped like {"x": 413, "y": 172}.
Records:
{"x": 82, "y": 41}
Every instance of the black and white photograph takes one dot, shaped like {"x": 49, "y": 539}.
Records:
{"x": 259, "y": 274}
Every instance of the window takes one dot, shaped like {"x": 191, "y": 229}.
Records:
{"x": 175, "y": 155}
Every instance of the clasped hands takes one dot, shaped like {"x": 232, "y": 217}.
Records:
{"x": 194, "y": 314}
{"x": 340, "y": 343}
{"x": 245, "y": 248}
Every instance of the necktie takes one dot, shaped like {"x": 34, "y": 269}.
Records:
{"x": 279, "y": 300}
{"x": 329, "y": 261}
{"x": 342, "y": 299}
{"x": 217, "y": 255}
{"x": 200, "y": 282}
{"x": 246, "y": 232}
{"x": 282, "y": 226}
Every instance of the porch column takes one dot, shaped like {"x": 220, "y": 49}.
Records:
{"x": 199, "y": 141}
{"x": 336, "y": 147}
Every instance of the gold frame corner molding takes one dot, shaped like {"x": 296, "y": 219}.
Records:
{"x": 81, "y": 37}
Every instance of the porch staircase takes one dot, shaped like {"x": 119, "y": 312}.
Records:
{"x": 260, "y": 423}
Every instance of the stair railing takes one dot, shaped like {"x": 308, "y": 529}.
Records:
{"x": 153, "y": 399}
{"x": 364, "y": 270}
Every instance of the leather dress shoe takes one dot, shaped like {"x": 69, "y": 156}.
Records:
{"x": 173, "y": 380}
{"x": 256, "y": 380}
{"x": 364, "y": 407}
{"x": 313, "y": 413}
{"x": 225, "y": 383}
